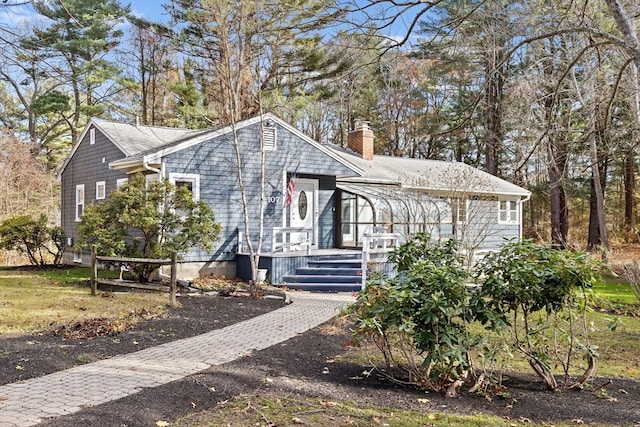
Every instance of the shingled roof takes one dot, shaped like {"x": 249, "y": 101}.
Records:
{"x": 135, "y": 139}
{"x": 434, "y": 176}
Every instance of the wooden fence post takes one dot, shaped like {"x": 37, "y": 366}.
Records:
{"x": 174, "y": 275}
{"x": 94, "y": 271}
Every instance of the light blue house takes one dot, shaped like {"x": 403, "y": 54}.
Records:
{"x": 339, "y": 196}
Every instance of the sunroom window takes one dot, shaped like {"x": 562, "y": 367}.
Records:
{"x": 356, "y": 216}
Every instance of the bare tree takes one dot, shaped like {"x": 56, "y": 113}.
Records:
{"x": 546, "y": 43}
{"x": 26, "y": 187}
{"x": 629, "y": 40}
{"x": 153, "y": 68}
{"x": 451, "y": 202}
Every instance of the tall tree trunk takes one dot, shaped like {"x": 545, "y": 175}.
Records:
{"x": 629, "y": 189}
{"x": 597, "y": 225}
{"x": 597, "y": 228}
{"x": 629, "y": 164}
{"x": 493, "y": 116}
{"x": 557, "y": 151}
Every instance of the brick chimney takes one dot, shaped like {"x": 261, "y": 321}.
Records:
{"x": 360, "y": 139}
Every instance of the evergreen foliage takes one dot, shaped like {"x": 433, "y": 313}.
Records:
{"x": 148, "y": 220}
{"x": 531, "y": 297}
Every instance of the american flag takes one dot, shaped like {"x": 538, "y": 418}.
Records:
{"x": 290, "y": 189}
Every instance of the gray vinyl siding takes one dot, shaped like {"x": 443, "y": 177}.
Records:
{"x": 89, "y": 164}
{"x": 215, "y": 162}
{"x": 483, "y": 231}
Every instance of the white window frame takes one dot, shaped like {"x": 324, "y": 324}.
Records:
{"x": 101, "y": 190}
{"x": 80, "y": 199}
{"x": 193, "y": 178}
{"x": 509, "y": 210}
{"x": 121, "y": 181}
{"x": 77, "y": 256}
{"x": 92, "y": 136}
{"x": 458, "y": 206}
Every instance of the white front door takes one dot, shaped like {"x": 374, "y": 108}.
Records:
{"x": 303, "y": 210}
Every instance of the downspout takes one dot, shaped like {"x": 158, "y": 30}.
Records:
{"x": 145, "y": 164}
{"x": 522, "y": 200}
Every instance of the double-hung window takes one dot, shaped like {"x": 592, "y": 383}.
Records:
{"x": 190, "y": 181}
{"x": 100, "y": 190}
{"x": 459, "y": 210}
{"x": 79, "y": 201}
{"x": 508, "y": 211}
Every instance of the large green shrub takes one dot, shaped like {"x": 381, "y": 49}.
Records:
{"x": 419, "y": 318}
{"x": 529, "y": 298}
{"x": 41, "y": 242}
{"x": 537, "y": 297}
{"x": 148, "y": 220}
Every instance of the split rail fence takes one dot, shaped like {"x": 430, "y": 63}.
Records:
{"x": 95, "y": 280}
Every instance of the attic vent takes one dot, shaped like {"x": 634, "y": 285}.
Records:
{"x": 269, "y": 138}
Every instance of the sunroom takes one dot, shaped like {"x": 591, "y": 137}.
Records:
{"x": 473, "y": 219}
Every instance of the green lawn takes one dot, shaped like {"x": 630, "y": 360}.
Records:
{"x": 615, "y": 290}
{"x": 33, "y": 301}
{"x": 279, "y": 409}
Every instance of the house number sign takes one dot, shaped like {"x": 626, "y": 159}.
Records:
{"x": 274, "y": 202}
{"x": 271, "y": 199}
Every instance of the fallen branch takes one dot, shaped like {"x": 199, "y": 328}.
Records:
{"x": 264, "y": 417}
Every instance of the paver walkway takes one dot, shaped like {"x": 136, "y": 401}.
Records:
{"x": 26, "y": 403}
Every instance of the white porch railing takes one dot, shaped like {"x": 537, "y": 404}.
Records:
{"x": 289, "y": 239}
{"x": 282, "y": 239}
{"x": 376, "y": 245}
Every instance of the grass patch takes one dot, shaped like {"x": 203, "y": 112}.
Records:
{"x": 33, "y": 301}
{"x": 619, "y": 353}
{"x": 619, "y": 350}
{"x": 615, "y": 290}
{"x": 291, "y": 410}
{"x": 70, "y": 275}
{"x": 286, "y": 410}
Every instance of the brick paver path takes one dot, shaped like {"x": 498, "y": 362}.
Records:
{"x": 26, "y": 403}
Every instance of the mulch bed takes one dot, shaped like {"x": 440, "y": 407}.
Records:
{"x": 308, "y": 364}
{"x": 65, "y": 346}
